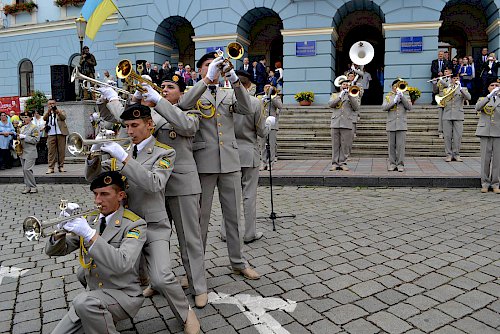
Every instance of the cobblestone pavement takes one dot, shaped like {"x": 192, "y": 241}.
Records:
{"x": 354, "y": 261}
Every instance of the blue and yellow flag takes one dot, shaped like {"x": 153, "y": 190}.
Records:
{"x": 96, "y": 12}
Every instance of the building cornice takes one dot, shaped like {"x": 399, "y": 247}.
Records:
{"x": 411, "y": 26}
{"x": 140, "y": 44}
{"x": 47, "y": 27}
{"x": 493, "y": 26}
{"x": 311, "y": 31}
{"x": 231, "y": 37}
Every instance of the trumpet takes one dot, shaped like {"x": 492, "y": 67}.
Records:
{"x": 86, "y": 80}
{"x": 439, "y": 78}
{"x": 78, "y": 146}
{"x": 34, "y": 228}
{"x": 96, "y": 91}
{"x": 354, "y": 91}
{"x": 234, "y": 51}
{"x": 402, "y": 86}
{"x": 125, "y": 71}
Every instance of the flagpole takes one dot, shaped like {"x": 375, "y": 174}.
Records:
{"x": 124, "y": 19}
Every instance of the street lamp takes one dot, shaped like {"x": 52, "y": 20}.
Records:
{"x": 81, "y": 25}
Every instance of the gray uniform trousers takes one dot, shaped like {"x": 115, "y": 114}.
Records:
{"x": 229, "y": 186}
{"x": 440, "y": 120}
{"x": 273, "y": 134}
{"x": 341, "y": 145}
{"x": 249, "y": 184}
{"x": 490, "y": 162}
{"x": 185, "y": 210}
{"x": 97, "y": 311}
{"x": 397, "y": 144}
{"x": 29, "y": 177}
{"x": 452, "y": 132}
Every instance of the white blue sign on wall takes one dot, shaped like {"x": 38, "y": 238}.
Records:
{"x": 305, "y": 49}
{"x": 214, "y": 49}
{"x": 411, "y": 44}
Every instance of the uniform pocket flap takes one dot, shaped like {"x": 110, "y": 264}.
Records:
{"x": 198, "y": 145}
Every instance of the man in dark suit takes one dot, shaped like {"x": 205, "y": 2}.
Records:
{"x": 437, "y": 68}
{"x": 247, "y": 67}
{"x": 261, "y": 75}
{"x": 166, "y": 71}
{"x": 489, "y": 71}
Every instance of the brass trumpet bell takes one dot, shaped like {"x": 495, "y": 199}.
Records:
{"x": 125, "y": 71}
{"x": 78, "y": 146}
{"x": 402, "y": 86}
{"x": 235, "y": 50}
{"x": 361, "y": 53}
{"x": 354, "y": 91}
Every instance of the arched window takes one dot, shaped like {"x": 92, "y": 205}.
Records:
{"x": 25, "y": 78}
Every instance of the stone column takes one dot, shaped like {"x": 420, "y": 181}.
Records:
{"x": 413, "y": 67}
{"x": 312, "y": 73}
{"x": 493, "y": 32}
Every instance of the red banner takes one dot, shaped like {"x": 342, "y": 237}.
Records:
{"x": 9, "y": 103}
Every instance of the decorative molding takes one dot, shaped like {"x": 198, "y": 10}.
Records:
{"x": 493, "y": 26}
{"x": 48, "y": 27}
{"x": 311, "y": 31}
{"x": 140, "y": 44}
{"x": 411, "y": 26}
{"x": 232, "y": 37}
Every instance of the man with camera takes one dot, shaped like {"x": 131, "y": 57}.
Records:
{"x": 56, "y": 130}
{"x": 87, "y": 68}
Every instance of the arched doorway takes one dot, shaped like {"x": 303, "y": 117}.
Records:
{"x": 355, "y": 21}
{"x": 174, "y": 37}
{"x": 262, "y": 28}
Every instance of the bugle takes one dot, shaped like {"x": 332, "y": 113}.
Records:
{"x": 234, "y": 51}
{"x": 402, "y": 86}
{"x": 34, "y": 228}
{"x": 78, "y": 146}
{"x": 354, "y": 90}
{"x": 86, "y": 80}
{"x": 125, "y": 71}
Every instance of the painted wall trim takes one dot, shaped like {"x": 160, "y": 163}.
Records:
{"x": 411, "y": 25}
{"x": 235, "y": 37}
{"x": 48, "y": 27}
{"x": 310, "y": 31}
{"x": 493, "y": 26}
{"x": 139, "y": 44}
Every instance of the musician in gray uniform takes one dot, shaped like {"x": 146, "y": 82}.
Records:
{"x": 442, "y": 83}
{"x": 148, "y": 166}
{"x": 344, "y": 107}
{"x": 453, "y": 119}
{"x": 488, "y": 131}
{"x": 272, "y": 107}
{"x": 29, "y": 136}
{"x": 183, "y": 188}
{"x": 247, "y": 129}
{"x": 110, "y": 260}
{"x": 216, "y": 153}
{"x": 397, "y": 104}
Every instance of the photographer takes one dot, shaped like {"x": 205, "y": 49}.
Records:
{"x": 56, "y": 130}
{"x": 87, "y": 68}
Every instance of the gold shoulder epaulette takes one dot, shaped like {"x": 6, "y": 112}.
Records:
{"x": 165, "y": 146}
{"x": 130, "y": 215}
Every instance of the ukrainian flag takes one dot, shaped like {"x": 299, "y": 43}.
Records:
{"x": 96, "y": 12}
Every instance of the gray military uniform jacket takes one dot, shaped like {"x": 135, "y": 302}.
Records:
{"x": 178, "y": 131}
{"x": 396, "y": 116}
{"x": 113, "y": 258}
{"x": 147, "y": 177}
{"x": 215, "y": 148}
{"x": 344, "y": 110}
{"x": 246, "y": 129}
{"x": 488, "y": 126}
{"x": 275, "y": 106}
{"x": 29, "y": 142}
{"x": 454, "y": 109}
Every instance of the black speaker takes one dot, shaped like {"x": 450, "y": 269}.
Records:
{"x": 62, "y": 87}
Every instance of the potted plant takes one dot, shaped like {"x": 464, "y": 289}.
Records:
{"x": 414, "y": 93}
{"x": 304, "y": 98}
{"x": 19, "y": 8}
{"x": 64, "y": 3}
{"x": 36, "y": 101}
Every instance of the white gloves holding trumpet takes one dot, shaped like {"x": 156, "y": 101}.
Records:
{"x": 493, "y": 92}
{"x": 270, "y": 122}
{"x": 102, "y": 135}
{"x": 78, "y": 225}
{"x": 398, "y": 97}
{"x": 108, "y": 93}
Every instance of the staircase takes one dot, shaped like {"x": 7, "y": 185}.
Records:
{"x": 304, "y": 133}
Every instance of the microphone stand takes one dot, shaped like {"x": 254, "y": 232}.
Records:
{"x": 273, "y": 216}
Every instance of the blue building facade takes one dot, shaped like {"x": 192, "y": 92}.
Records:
{"x": 182, "y": 30}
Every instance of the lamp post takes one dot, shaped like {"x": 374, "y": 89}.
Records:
{"x": 81, "y": 25}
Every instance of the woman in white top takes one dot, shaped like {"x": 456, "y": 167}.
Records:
{"x": 279, "y": 73}
{"x": 40, "y": 123}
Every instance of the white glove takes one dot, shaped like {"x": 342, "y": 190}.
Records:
{"x": 213, "y": 71}
{"x": 79, "y": 226}
{"x": 150, "y": 95}
{"x": 493, "y": 93}
{"x": 231, "y": 76}
{"x": 115, "y": 150}
{"x": 22, "y": 136}
{"x": 397, "y": 98}
{"x": 94, "y": 117}
{"x": 138, "y": 95}
{"x": 108, "y": 93}
{"x": 270, "y": 121}
{"x": 353, "y": 67}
